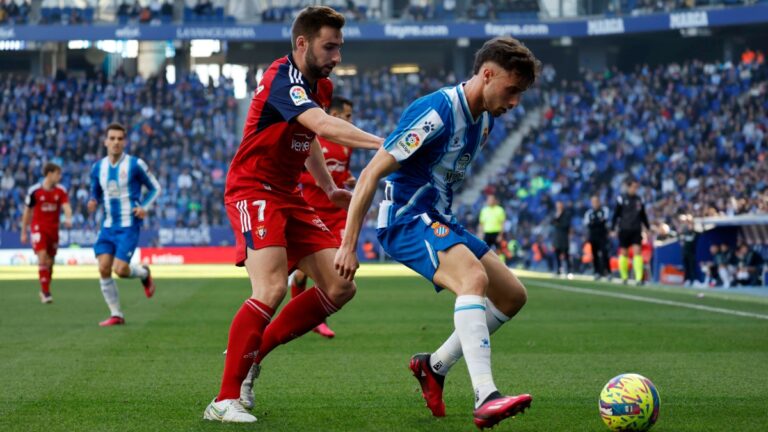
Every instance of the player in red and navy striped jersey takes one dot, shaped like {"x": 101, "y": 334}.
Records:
{"x": 275, "y": 229}
{"x": 44, "y": 203}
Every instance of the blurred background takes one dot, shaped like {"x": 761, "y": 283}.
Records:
{"x": 670, "y": 93}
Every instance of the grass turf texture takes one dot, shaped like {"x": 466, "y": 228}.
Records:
{"x": 59, "y": 371}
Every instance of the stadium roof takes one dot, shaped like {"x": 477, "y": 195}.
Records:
{"x": 740, "y": 220}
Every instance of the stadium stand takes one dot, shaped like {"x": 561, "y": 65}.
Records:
{"x": 185, "y": 131}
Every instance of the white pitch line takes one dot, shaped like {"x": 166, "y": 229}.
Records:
{"x": 651, "y": 300}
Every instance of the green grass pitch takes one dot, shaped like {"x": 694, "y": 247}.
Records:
{"x": 59, "y": 371}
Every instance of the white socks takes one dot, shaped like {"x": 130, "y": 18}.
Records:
{"x": 138, "y": 271}
{"x": 472, "y": 330}
{"x": 109, "y": 290}
{"x": 449, "y": 353}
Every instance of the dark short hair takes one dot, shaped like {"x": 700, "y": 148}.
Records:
{"x": 50, "y": 167}
{"x": 338, "y": 102}
{"x": 115, "y": 126}
{"x": 311, "y": 19}
{"x": 629, "y": 181}
{"x": 511, "y": 55}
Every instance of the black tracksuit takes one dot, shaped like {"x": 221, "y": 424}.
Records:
{"x": 630, "y": 215}
{"x": 597, "y": 227}
{"x": 688, "y": 239}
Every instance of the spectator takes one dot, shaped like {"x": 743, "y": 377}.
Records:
{"x": 561, "y": 224}
{"x": 596, "y": 219}
{"x": 688, "y": 239}
{"x": 203, "y": 8}
{"x": 123, "y": 10}
{"x": 748, "y": 265}
{"x": 166, "y": 10}
{"x": 724, "y": 261}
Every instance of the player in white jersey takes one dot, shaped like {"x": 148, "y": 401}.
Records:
{"x": 116, "y": 183}
{"x": 426, "y": 158}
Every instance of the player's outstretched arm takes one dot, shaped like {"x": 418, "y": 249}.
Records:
{"x": 25, "y": 224}
{"x": 67, "y": 214}
{"x": 337, "y": 130}
{"x": 150, "y": 182}
{"x": 382, "y": 164}
{"x": 97, "y": 194}
{"x": 317, "y": 167}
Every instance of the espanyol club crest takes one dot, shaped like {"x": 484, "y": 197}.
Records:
{"x": 440, "y": 230}
{"x": 261, "y": 231}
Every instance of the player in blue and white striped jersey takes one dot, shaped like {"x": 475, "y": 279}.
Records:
{"x": 117, "y": 182}
{"x": 426, "y": 158}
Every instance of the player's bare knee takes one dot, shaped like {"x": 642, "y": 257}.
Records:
{"x": 341, "y": 292}
{"x": 121, "y": 270}
{"x": 271, "y": 295}
{"x": 474, "y": 282}
{"x": 519, "y": 296}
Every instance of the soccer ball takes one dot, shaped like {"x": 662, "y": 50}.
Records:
{"x": 629, "y": 402}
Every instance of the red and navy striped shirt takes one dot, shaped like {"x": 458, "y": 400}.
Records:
{"x": 275, "y": 146}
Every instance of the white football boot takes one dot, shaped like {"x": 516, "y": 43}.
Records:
{"x": 228, "y": 411}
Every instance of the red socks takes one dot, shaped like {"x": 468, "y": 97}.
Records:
{"x": 245, "y": 336}
{"x": 303, "y": 313}
{"x": 298, "y": 288}
{"x": 44, "y": 274}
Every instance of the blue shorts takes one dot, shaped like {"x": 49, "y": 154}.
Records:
{"x": 416, "y": 243}
{"x": 119, "y": 242}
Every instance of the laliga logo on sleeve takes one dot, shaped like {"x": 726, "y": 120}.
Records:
{"x": 299, "y": 95}
{"x": 409, "y": 142}
{"x": 412, "y": 140}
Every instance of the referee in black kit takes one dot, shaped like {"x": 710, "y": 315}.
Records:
{"x": 596, "y": 220}
{"x": 630, "y": 216}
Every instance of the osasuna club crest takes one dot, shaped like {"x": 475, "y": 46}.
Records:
{"x": 261, "y": 231}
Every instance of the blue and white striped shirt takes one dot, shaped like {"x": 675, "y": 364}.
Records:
{"x": 118, "y": 186}
{"x": 434, "y": 142}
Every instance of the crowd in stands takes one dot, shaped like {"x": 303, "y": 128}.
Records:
{"x": 352, "y": 10}
{"x": 204, "y": 11}
{"x": 638, "y": 7}
{"x": 184, "y": 131}
{"x": 152, "y": 13}
{"x": 14, "y": 12}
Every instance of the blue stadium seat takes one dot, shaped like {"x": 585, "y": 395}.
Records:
{"x": 189, "y": 15}
{"x": 88, "y": 14}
